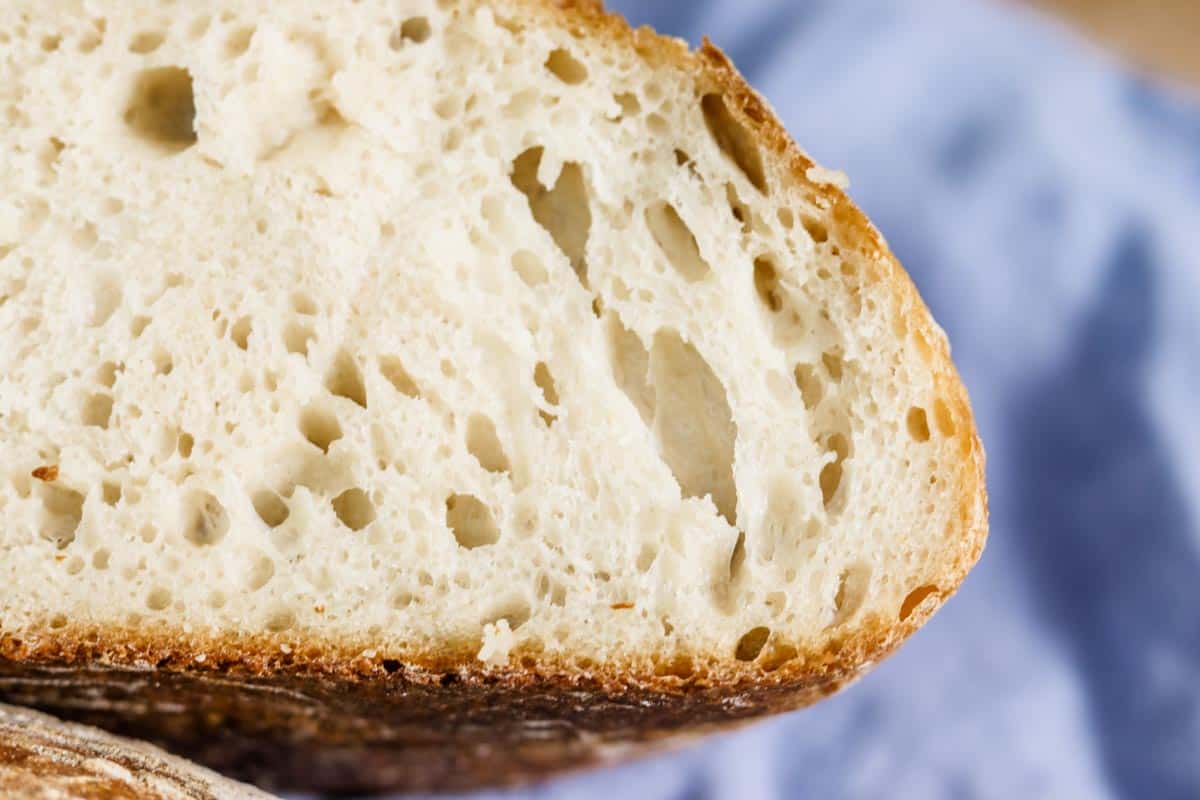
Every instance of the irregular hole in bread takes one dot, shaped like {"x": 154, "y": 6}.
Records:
{"x": 741, "y": 212}
{"x": 915, "y": 598}
{"x": 766, "y": 283}
{"x": 393, "y": 371}
{"x": 106, "y": 299}
{"x": 164, "y": 363}
{"x": 484, "y": 444}
{"x": 354, "y": 509}
{"x": 271, "y": 508}
{"x": 566, "y": 67}
{"x": 545, "y": 382}
{"x": 833, "y": 365}
{"x": 676, "y": 241}
{"x": 631, "y": 367}
{"x": 158, "y": 598}
{"x": 815, "y": 229}
{"x": 693, "y": 422}
{"x": 138, "y": 325}
{"x": 62, "y": 512}
{"x": 262, "y": 570}
{"x": 280, "y": 620}
{"x": 944, "y": 418}
{"x": 162, "y": 108}
{"x": 238, "y": 42}
{"x": 808, "y": 381}
{"x": 786, "y": 218}
{"x": 110, "y": 492}
{"x": 206, "y": 520}
{"x": 830, "y": 479}
{"x": 296, "y": 338}
{"x": 146, "y": 42}
{"x": 751, "y": 644}
{"x": 344, "y": 379}
{"x": 733, "y": 139}
{"x": 628, "y": 101}
{"x": 471, "y": 521}
{"x": 563, "y": 211}
{"x": 414, "y": 29}
{"x": 917, "y": 423}
{"x": 106, "y": 374}
{"x": 679, "y": 665}
{"x": 852, "y": 590}
{"x": 240, "y": 332}
{"x": 184, "y": 445}
{"x": 302, "y": 303}
{"x": 320, "y": 426}
{"x": 100, "y": 559}
{"x": 97, "y": 410}
{"x": 529, "y": 268}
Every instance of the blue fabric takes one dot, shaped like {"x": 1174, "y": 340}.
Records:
{"x": 1047, "y": 203}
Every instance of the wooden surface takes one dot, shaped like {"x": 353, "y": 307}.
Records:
{"x": 1161, "y": 36}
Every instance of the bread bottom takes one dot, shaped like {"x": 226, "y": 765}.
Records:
{"x": 393, "y": 734}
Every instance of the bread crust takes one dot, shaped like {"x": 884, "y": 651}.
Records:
{"x": 292, "y": 712}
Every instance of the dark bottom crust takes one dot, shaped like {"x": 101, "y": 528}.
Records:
{"x": 388, "y": 734}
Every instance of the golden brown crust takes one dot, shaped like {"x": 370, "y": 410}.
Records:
{"x": 41, "y": 757}
{"x": 334, "y": 716}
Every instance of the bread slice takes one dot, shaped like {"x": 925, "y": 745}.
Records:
{"x": 475, "y": 377}
{"x": 42, "y": 758}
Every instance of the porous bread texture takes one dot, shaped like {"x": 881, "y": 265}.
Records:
{"x": 446, "y": 327}
{"x": 42, "y": 758}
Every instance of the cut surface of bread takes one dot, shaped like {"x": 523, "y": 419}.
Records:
{"x": 480, "y": 339}
{"x": 42, "y": 758}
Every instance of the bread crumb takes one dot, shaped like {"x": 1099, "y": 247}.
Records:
{"x": 830, "y": 177}
{"x": 498, "y": 642}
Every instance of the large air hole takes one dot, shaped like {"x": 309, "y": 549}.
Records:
{"x": 676, "y": 241}
{"x": 270, "y": 508}
{"x": 733, "y": 139}
{"x": 545, "y": 382}
{"x": 146, "y": 42}
{"x": 344, "y": 379}
{"x": 484, "y": 444}
{"x": 205, "y": 520}
{"x": 752, "y": 643}
{"x": 97, "y": 410}
{"x": 63, "y": 513}
{"x": 918, "y": 424}
{"x": 296, "y": 338}
{"x": 354, "y": 508}
{"x": 320, "y": 427}
{"x": 393, "y": 371}
{"x": 162, "y": 108}
{"x": 766, "y": 283}
{"x": 529, "y": 268}
{"x": 851, "y": 591}
{"x": 915, "y": 598}
{"x": 566, "y": 67}
{"x": 831, "y": 475}
{"x": 471, "y": 521}
{"x": 240, "y": 332}
{"x": 693, "y": 422}
{"x": 414, "y": 29}
{"x": 106, "y": 299}
{"x": 810, "y": 385}
{"x": 631, "y": 367}
{"x": 563, "y": 211}
{"x": 944, "y": 418}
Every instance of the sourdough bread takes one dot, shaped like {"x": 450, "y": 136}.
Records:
{"x": 42, "y": 758}
{"x": 439, "y": 343}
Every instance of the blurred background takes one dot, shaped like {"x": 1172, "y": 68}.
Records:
{"x": 1036, "y": 167}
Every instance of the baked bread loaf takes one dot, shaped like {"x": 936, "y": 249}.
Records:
{"x": 42, "y": 758}
{"x": 422, "y": 394}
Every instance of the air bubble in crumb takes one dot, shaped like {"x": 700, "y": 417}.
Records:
{"x": 484, "y": 444}
{"x": 566, "y": 67}
{"x": 354, "y": 508}
{"x": 918, "y": 424}
{"x": 751, "y": 643}
{"x": 270, "y": 508}
{"x": 320, "y": 427}
{"x": 207, "y": 521}
{"x": 344, "y": 379}
{"x": 162, "y": 108}
{"x": 471, "y": 521}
